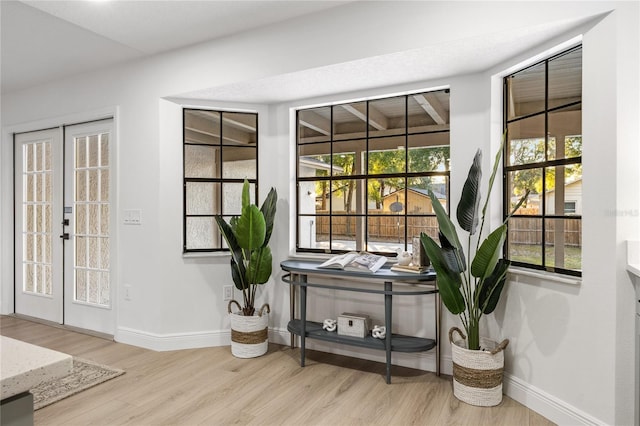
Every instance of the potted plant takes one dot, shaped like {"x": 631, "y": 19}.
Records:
{"x": 247, "y": 237}
{"x": 470, "y": 291}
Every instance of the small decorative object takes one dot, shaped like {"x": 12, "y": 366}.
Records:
{"x": 356, "y": 325}
{"x": 419, "y": 255}
{"x": 477, "y": 375}
{"x": 379, "y": 331}
{"x": 330, "y": 325}
{"x": 404, "y": 258}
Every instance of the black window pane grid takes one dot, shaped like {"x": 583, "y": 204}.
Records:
{"x": 364, "y": 169}
{"x": 543, "y": 153}
{"x": 220, "y": 152}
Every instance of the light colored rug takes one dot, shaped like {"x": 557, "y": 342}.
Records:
{"x": 85, "y": 374}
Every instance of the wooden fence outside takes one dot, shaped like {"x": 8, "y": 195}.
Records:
{"x": 529, "y": 231}
{"x": 382, "y": 228}
{"x": 389, "y": 228}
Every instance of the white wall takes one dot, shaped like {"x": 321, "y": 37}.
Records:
{"x": 571, "y": 350}
{"x": 574, "y": 343}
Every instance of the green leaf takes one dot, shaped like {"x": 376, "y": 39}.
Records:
{"x": 268, "y": 210}
{"x": 491, "y": 288}
{"x": 245, "y": 194}
{"x": 238, "y": 274}
{"x": 449, "y": 282}
{"x": 488, "y": 254}
{"x": 260, "y": 266}
{"x": 237, "y": 264}
{"x": 468, "y": 207}
{"x": 250, "y": 228}
{"x": 453, "y": 257}
{"x": 515, "y": 209}
{"x": 448, "y": 229}
{"x": 496, "y": 163}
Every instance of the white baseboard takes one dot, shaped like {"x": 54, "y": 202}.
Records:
{"x": 177, "y": 341}
{"x": 549, "y": 406}
{"x": 172, "y": 341}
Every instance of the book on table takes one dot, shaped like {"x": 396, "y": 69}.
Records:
{"x": 410, "y": 268}
{"x": 352, "y": 261}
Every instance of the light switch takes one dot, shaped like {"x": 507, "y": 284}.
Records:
{"x": 132, "y": 217}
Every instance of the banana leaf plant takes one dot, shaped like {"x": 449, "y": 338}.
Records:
{"x": 247, "y": 237}
{"x": 469, "y": 292}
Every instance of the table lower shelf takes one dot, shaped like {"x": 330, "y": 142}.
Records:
{"x": 399, "y": 342}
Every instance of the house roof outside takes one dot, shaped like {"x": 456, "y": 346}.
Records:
{"x": 421, "y": 191}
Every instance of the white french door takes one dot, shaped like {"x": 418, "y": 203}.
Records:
{"x": 38, "y": 224}
{"x": 88, "y": 285}
{"x": 76, "y": 215}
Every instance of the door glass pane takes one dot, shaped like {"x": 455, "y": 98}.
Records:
{"x": 37, "y": 211}
{"x": 93, "y": 150}
{"x": 81, "y": 152}
{"x": 91, "y": 225}
{"x": 104, "y": 149}
{"x": 81, "y": 285}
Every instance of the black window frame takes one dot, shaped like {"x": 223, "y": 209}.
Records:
{"x": 365, "y": 176}
{"x": 543, "y": 165}
{"x": 219, "y": 180}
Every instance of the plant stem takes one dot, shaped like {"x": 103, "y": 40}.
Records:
{"x": 473, "y": 336}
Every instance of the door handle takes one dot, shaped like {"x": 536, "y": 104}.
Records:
{"x": 65, "y": 236}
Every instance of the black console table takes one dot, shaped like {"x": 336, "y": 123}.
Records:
{"x": 407, "y": 284}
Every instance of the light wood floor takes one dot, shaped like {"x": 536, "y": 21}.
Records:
{"x": 211, "y": 387}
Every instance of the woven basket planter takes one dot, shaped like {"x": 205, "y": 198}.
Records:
{"x": 249, "y": 334}
{"x": 477, "y": 375}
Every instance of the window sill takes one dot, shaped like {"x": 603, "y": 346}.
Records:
{"x": 196, "y": 255}
{"x": 547, "y": 276}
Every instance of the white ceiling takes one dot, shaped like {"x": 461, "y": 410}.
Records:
{"x": 45, "y": 41}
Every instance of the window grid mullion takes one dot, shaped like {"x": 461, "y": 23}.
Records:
{"x": 545, "y": 167}
{"x": 362, "y": 178}
{"x": 217, "y": 170}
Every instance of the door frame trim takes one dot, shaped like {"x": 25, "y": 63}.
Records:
{"x": 7, "y": 204}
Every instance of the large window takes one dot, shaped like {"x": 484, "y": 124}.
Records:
{"x": 220, "y": 151}
{"x": 364, "y": 169}
{"x": 543, "y": 154}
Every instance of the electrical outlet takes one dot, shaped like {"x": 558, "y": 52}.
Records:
{"x": 127, "y": 292}
{"x": 227, "y": 292}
